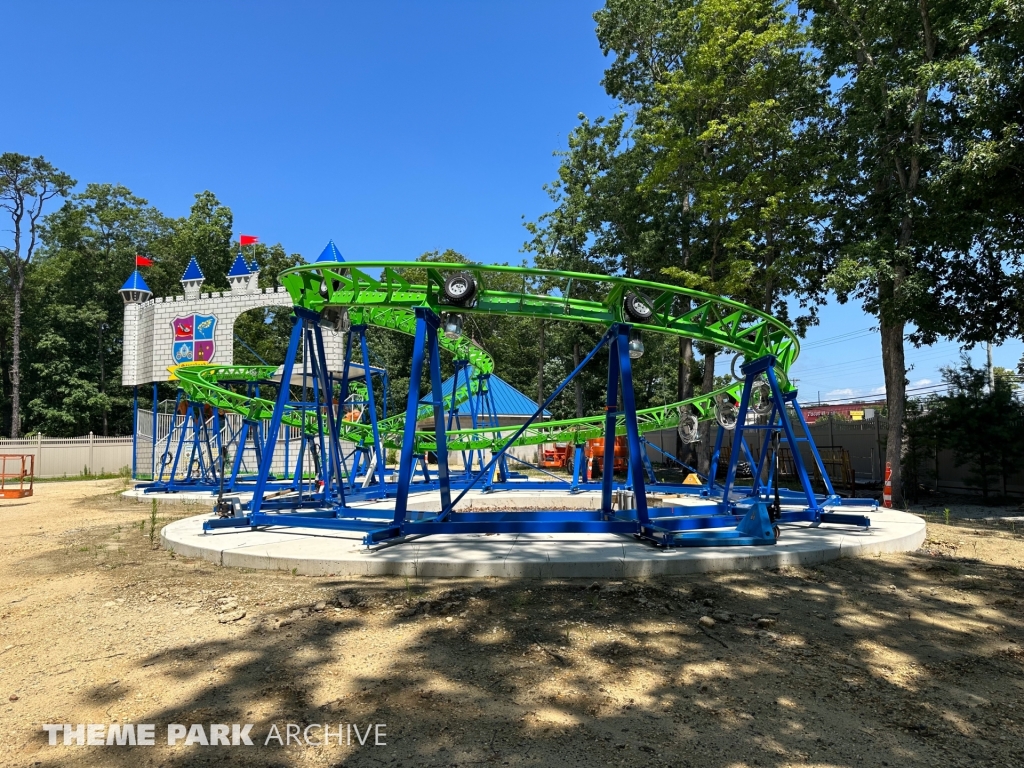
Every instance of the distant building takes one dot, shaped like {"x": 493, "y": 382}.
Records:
{"x": 849, "y": 411}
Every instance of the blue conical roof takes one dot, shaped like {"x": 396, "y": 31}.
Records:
{"x": 239, "y": 268}
{"x": 192, "y": 271}
{"x": 254, "y": 267}
{"x": 330, "y": 253}
{"x": 135, "y": 283}
{"x": 507, "y": 400}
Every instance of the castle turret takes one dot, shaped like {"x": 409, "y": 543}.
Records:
{"x": 135, "y": 290}
{"x": 192, "y": 280}
{"x": 330, "y": 253}
{"x": 239, "y": 276}
{"x": 254, "y": 276}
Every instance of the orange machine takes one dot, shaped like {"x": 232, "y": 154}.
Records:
{"x": 594, "y": 452}
{"x": 560, "y": 455}
{"x": 556, "y": 456}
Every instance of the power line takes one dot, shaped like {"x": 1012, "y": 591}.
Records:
{"x": 840, "y": 338}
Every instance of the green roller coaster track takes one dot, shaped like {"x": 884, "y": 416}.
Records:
{"x": 390, "y": 300}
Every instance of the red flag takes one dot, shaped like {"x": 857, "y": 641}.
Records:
{"x": 247, "y": 239}
{"x": 142, "y": 261}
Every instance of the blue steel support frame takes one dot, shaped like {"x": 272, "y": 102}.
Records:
{"x": 753, "y": 370}
{"x": 372, "y": 406}
{"x": 427, "y": 323}
{"x": 327, "y": 391}
{"x": 636, "y": 449}
{"x": 275, "y": 420}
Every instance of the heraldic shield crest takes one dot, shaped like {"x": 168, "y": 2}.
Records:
{"x": 194, "y": 339}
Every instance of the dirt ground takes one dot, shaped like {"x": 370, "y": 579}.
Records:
{"x": 913, "y": 659}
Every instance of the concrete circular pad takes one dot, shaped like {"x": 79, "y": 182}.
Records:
{"x": 341, "y": 553}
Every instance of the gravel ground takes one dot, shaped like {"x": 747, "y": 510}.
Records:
{"x": 898, "y": 660}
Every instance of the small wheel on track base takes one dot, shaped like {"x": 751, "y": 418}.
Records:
{"x": 688, "y": 427}
{"x": 459, "y": 289}
{"x": 637, "y": 309}
{"x": 760, "y": 397}
{"x": 726, "y": 413}
{"x": 777, "y": 531}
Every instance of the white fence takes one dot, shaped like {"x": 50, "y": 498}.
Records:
{"x": 72, "y": 456}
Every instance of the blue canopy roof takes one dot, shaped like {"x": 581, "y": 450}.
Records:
{"x": 239, "y": 268}
{"x": 330, "y": 253}
{"x": 192, "y": 271}
{"x": 508, "y": 401}
{"x": 135, "y": 283}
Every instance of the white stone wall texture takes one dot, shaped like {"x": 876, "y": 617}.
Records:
{"x": 149, "y": 334}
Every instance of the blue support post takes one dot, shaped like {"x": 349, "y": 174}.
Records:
{"x": 579, "y": 469}
{"x": 438, "y": 402}
{"x": 625, "y": 367}
{"x": 372, "y": 405}
{"x": 334, "y": 447}
{"x": 405, "y": 459}
{"x": 283, "y": 396}
{"x": 181, "y": 438}
{"x": 610, "y": 413}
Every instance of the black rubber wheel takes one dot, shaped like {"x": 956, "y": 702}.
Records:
{"x": 459, "y": 289}
{"x": 637, "y": 309}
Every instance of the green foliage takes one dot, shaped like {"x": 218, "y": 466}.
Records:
{"x": 265, "y": 331}
{"x": 981, "y": 426}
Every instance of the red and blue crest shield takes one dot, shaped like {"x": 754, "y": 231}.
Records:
{"x": 194, "y": 339}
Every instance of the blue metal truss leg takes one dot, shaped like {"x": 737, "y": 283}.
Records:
{"x": 647, "y": 461}
{"x": 737, "y": 443}
{"x": 327, "y": 390}
{"x": 762, "y": 460}
{"x": 579, "y": 469}
{"x": 283, "y": 397}
{"x": 343, "y": 394}
{"x": 406, "y": 458}
{"x": 437, "y": 395}
{"x": 637, "y": 452}
{"x": 526, "y": 424}
{"x": 610, "y": 412}
{"x": 787, "y": 428}
{"x": 372, "y": 405}
{"x": 170, "y": 434}
{"x": 716, "y": 452}
{"x": 830, "y": 491}
{"x": 243, "y": 436}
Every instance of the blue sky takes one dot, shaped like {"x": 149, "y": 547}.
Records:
{"x": 393, "y": 128}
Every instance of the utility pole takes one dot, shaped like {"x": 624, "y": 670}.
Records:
{"x": 102, "y": 327}
{"x": 991, "y": 370}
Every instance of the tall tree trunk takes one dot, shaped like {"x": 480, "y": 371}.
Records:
{"x": 684, "y": 390}
{"x": 540, "y": 368}
{"x": 577, "y": 384}
{"x": 707, "y": 428}
{"x": 895, "y": 370}
{"x": 16, "y": 358}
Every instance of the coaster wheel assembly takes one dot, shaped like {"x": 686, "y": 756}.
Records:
{"x": 459, "y": 289}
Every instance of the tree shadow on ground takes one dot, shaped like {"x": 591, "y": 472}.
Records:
{"x": 890, "y": 661}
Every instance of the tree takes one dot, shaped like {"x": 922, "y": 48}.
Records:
{"x": 982, "y": 426}
{"x": 27, "y": 184}
{"x": 88, "y": 249}
{"x": 715, "y": 184}
{"x": 266, "y": 331}
{"x": 903, "y": 79}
